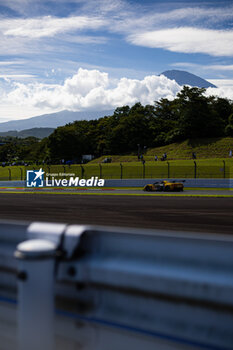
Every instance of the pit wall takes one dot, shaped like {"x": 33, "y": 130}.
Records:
{"x": 198, "y": 183}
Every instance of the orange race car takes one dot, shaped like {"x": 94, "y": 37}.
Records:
{"x": 165, "y": 186}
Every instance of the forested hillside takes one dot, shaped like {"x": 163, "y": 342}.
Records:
{"x": 190, "y": 115}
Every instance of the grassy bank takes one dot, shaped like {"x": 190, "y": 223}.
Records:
{"x": 212, "y": 161}
{"x": 209, "y": 148}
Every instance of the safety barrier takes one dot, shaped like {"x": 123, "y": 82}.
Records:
{"x": 114, "y": 288}
{"x": 194, "y": 183}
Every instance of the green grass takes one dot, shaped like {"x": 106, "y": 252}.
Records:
{"x": 204, "y": 148}
{"x": 213, "y": 168}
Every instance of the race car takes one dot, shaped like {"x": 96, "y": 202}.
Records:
{"x": 165, "y": 186}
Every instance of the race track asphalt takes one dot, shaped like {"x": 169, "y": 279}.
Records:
{"x": 197, "y": 214}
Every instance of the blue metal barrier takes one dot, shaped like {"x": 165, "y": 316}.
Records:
{"x": 115, "y": 288}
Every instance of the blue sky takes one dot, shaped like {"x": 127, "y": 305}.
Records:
{"x": 87, "y": 55}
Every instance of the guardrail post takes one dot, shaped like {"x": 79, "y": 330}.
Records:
{"x": 168, "y": 170}
{"x": 21, "y": 174}
{"x": 195, "y": 169}
{"x": 36, "y": 261}
{"x": 224, "y": 169}
{"x": 100, "y": 171}
{"x": 9, "y": 174}
{"x": 121, "y": 171}
{"x": 82, "y": 171}
{"x": 48, "y": 167}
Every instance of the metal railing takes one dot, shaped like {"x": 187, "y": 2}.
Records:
{"x": 115, "y": 288}
{"x": 165, "y": 169}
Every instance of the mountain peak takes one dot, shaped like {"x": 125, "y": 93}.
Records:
{"x": 186, "y": 78}
{"x": 52, "y": 120}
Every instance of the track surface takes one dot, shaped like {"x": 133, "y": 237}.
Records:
{"x": 120, "y": 191}
{"x": 175, "y": 213}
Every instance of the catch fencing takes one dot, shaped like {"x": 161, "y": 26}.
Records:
{"x": 165, "y": 169}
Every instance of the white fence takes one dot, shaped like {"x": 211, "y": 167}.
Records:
{"x": 114, "y": 288}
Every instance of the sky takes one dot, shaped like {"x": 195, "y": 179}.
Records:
{"x": 100, "y": 54}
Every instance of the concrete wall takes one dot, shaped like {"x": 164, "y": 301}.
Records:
{"x": 12, "y": 183}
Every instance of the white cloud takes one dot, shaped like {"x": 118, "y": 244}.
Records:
{"x": 47, "y": 26}
{"x": 195, "y": 14}
{"x": 225, "y": 88}
{"x": 88, "y": 90}
{"x": 11, "y": 63}
{"x": 48, "y": 36}
{"x": 186, "y": 65}
{"x": 91, "y": 90}
{"x": 224, "y": 92}
{"x": 218, "y": 67}
{"x": 221, "y": 67}
{"x": 222, "y": 82}
{"x": 142, "y": 18}
{"x": 16, "y": 76}
{"x": 187, "y": 40}
{"x": 85, "y": 81}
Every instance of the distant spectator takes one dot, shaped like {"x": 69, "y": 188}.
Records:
{"x": 143, "y": 161}
{"x": 230, "y": 153}
{"x": 194, "y": 155}
{"x": 164, "y": 157}
{"x": 156, "y": 158}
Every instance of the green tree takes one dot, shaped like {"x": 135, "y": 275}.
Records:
{"x": 197, "y": 117}
{"x": 229, "y": 127}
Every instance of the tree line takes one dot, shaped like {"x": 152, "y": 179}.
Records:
{"x": 190, "y": 115}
